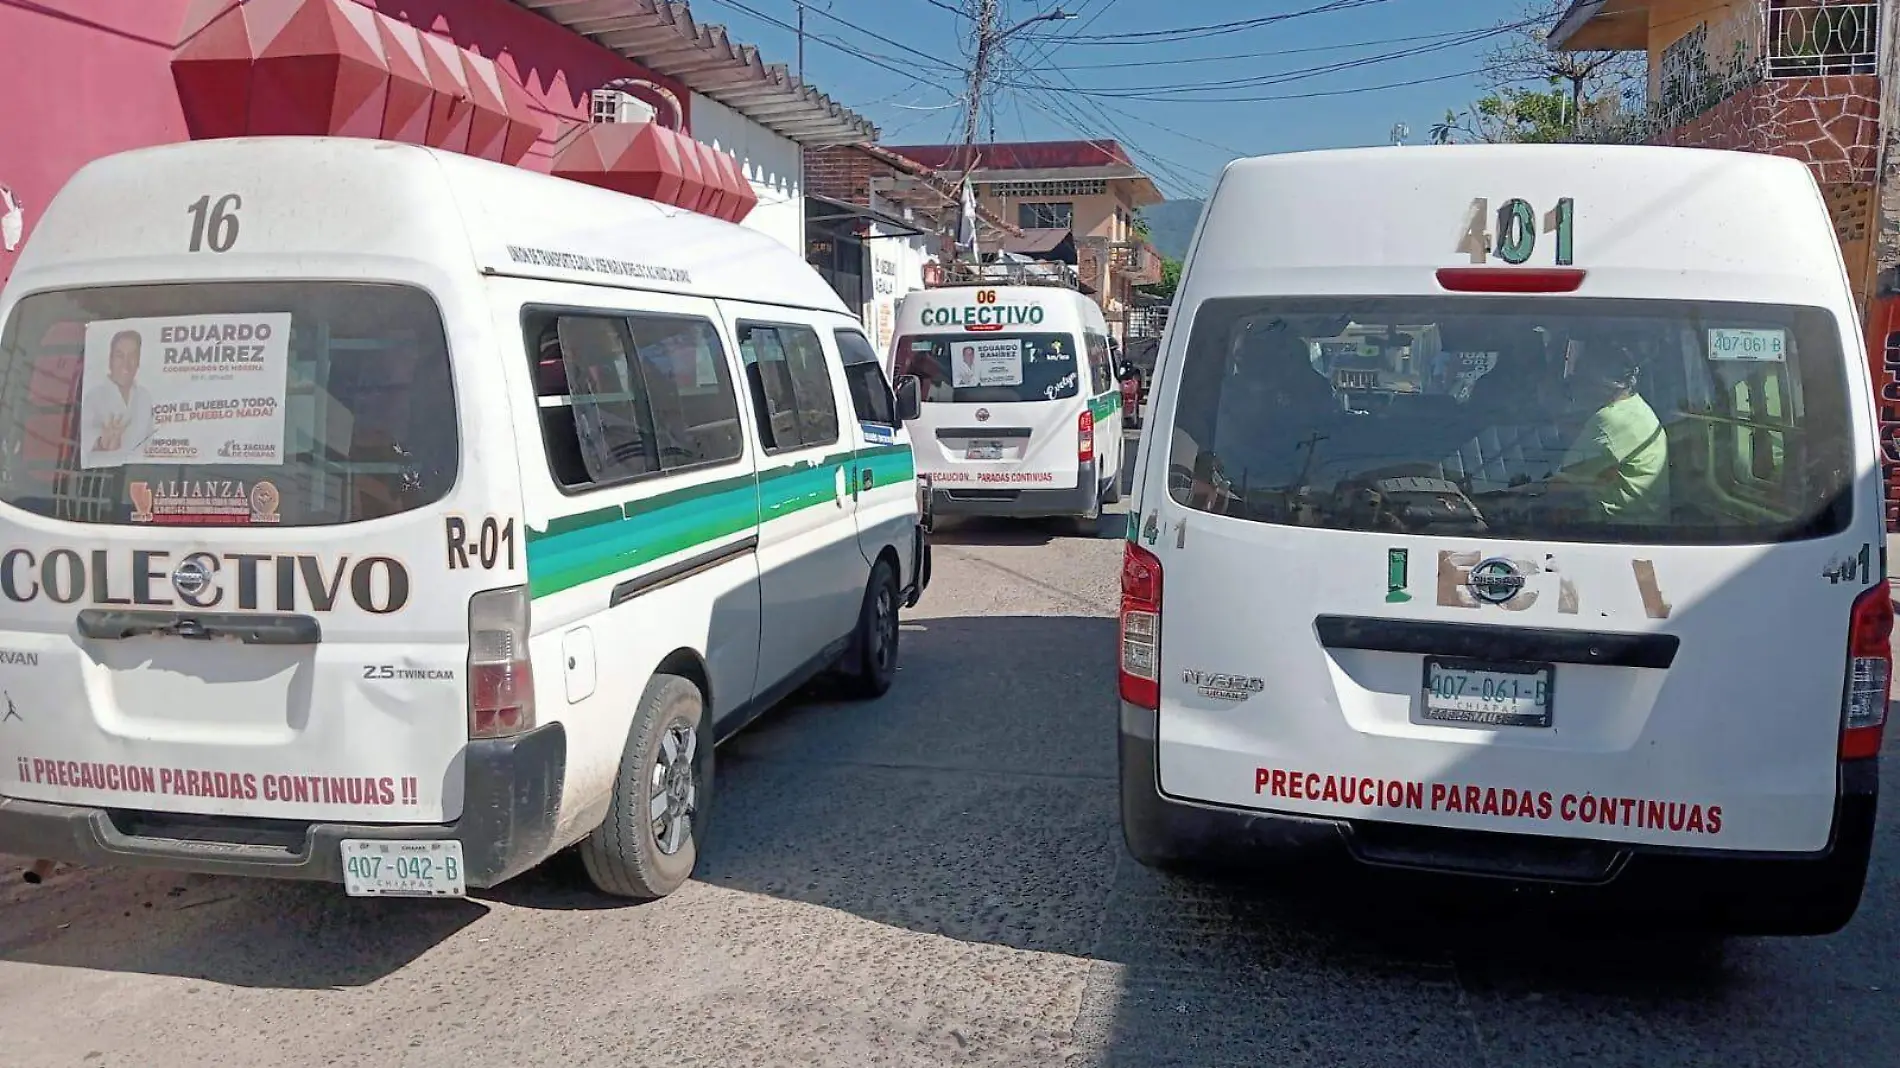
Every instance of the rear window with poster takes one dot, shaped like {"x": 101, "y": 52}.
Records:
{"x": 228, "y": 404}
{"x": 991, "y": 368}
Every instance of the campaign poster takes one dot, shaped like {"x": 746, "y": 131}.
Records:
{"x": 184, "y": 389}
{"x": 986, "y": 363}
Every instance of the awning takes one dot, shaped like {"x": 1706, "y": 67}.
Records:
{"x": 1044, "y": 243}
{"x": 663, "y": 37}
{"x": 826, "y": 210}
{"x": 644, "y": 159}
{"x": 335, "y": 67}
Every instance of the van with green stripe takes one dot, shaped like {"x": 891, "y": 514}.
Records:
{"x": 1021, "y": 405}
{"x": 383, "y": 516}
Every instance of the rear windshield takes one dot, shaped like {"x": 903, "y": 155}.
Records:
{"x": 991, "y": 368}
{"x": 1557, "y": 419}
{"x": 227, "y": 404}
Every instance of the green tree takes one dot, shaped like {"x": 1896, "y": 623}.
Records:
{"x": 1541, "y": 95}
{"x": 1170, "y": 279}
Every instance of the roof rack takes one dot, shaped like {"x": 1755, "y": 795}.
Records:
{"x": 1038, "y": 273}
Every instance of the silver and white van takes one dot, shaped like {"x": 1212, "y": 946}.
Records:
{"x": 1021, "y": 412}
{"x": 383, "y": 516}
{"x": 1515, "y": 511}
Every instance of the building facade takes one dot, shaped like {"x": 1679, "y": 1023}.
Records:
{"x": 1092, "y": 189}
{"x": 525, "y": 82}
{"x": 880, "y": 225}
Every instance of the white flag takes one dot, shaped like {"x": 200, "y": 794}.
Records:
{"x": 966, "y": 226}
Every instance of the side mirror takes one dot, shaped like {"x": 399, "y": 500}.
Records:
{"x": 910, "y": 397}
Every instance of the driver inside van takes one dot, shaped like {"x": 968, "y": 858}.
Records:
{"x": 1617, "y": 468}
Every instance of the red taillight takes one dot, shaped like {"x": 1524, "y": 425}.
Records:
{"x": 1510, "y": 279}
{"x": 1085, "y": 429}
{"x": 500, "y": 674}
{"x": 1869, "y": 667}
{"x": 1141, "y": 627}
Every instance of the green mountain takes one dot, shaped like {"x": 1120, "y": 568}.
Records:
{"x": 1171, "y": 225}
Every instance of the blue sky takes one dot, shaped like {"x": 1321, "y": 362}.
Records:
{"x": 901, "y": 63}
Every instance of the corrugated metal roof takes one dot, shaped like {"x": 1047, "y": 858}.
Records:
{"x": 662, "y": 36}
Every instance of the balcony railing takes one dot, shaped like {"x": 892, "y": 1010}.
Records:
{"x": 1813, "y": 39}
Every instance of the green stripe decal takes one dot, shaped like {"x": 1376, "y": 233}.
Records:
{"x": 1105, "y": 405}
{"x": 600, "y": 542}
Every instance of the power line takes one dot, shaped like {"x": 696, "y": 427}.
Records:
{"x": 1273, "y": 53}
{"x": 1190, "y": 33}
{"x": 882, "y": 62}
{"x": 1182, "y": 90}
{"x": 899, "y": 45}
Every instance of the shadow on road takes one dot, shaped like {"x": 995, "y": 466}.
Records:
{"x": 240, "y": 932}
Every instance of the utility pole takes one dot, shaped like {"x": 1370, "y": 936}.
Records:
{"x": 801, "y": 40}
{"x": 986, "y": 38}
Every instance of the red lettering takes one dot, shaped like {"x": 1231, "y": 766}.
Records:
{"x": 1653, "y": 814}
{"x": 1331, "y": 791}
{"x": 1312, "y": 786}
{"x": 1474, "y": 798}
{"x": 1454, "y": 800}
{"x": 1295, "y": 787}
{"x": 250, "y": 787}
{"x": 1279, "y": 782}
{"x": 1490, "y": 801}
{"x": 1415, "y": 795}
{"x": 386, "y": 787}
{"x": 1628, "y": 804}
{"x": 1438, "y": 795}
{"x": 1695, "y": 819}
{"x": 1261, "y": 777}
{"x": 1715, "y": 819}
{"x": 1543, "y": 805}
{"x": 1568, "y": 810}
{"x": 39, "y": 770}
{"x": 1678, "y": 816}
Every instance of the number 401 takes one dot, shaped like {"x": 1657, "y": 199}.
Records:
{"x": 1517, "y": 229}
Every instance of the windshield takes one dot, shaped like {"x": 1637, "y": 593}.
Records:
{"x": 991, "y": 368}
{"x": 1560, "y": 419}
{"x": 230, "y": 404}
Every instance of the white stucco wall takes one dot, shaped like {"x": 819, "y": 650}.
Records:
{"x": 775, "y": 166}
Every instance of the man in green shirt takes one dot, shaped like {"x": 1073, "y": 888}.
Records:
{"x": 1617, "y": 470}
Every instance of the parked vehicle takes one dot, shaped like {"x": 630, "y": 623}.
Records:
{"x": 1021, "y": 413}
{"x": 379, "y": 515}
{"x": 1494, "y": 522}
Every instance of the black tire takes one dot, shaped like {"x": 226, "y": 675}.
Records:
{"x": 625, "y": 856}
{"x": 870, "y": 664}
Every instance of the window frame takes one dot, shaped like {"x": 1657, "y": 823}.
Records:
{"x": 740, "y": 323}
{"x": 530, "y": 311}
{"x": 1028, "y": 208}
{"x": 838, "y": 334}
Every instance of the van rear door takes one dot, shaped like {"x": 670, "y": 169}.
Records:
{"x": 1002, "y": 410}
{"x": 1382, "y": 600}
{"x": 222, "y": 524}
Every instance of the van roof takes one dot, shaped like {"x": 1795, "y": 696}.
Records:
{"x": 1645, "y": 221}
{"x": 127, "y": 217}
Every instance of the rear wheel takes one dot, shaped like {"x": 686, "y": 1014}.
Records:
{"x": 871, "y": 663}
{"x": 649, "y": 842}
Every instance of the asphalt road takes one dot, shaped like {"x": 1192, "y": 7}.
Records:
{"x": 934, "y": 878}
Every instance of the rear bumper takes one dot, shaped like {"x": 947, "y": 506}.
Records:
{"x": 511, "y": 802}
{"x": 1078, "y": 499}
{"x": 1707, "y": 883}
{"x": 919, "y": 566}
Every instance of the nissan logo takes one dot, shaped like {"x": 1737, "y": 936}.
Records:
{"x": 191, "y": 576}
{"x": 1495, "y": 581}
{"x": 982, "y": 415}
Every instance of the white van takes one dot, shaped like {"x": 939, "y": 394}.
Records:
{"x": 383, "y": 516}
{"x": 1021, "y": 406}
{"x": 1515, "y": 511}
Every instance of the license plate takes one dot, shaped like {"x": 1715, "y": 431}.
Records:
{"x": 373, "y": 868}
{"x": 984, "y": 450}
{"x": 1485, "y": 693}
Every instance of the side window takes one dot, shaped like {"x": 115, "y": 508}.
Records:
{"x": 790, "y": 385}
{"x": 695, "y": 410}
{"x": 623, "y": 397}
{"x": 1100, "y": 378}
{"x": 592, "y": 418}
{"x": 871, "y": 395}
